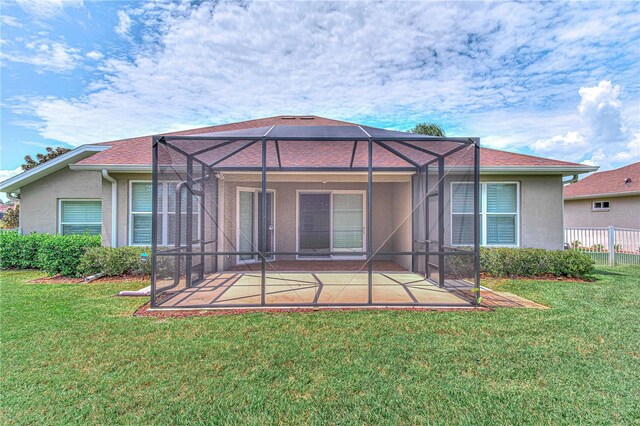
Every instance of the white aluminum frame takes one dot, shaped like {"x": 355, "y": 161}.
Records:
{"x": 60, "y": 223}
{"x": 600, "y": 209}
{"x": 255, "y": 223}
{"x": 484, "y": 213}
{"x": 164, "y": 210}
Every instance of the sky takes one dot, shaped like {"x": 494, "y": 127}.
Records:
{"x": 558, "y": 80}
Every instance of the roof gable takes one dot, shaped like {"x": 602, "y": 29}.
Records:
{"x": 137, "y": 151}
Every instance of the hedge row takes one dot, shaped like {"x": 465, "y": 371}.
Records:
{"x": 522, "y": 262}
{"x": 531, "y": 262}
{"x": 77, "y": 255}
{"x": 54, "y": 254}
{"x": 115, "y": 261}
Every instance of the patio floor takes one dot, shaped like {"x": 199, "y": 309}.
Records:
{"x": 320, "y": 266}
{"x": 242, "y": 288}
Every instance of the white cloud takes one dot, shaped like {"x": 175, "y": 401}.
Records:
{"x": 95, "y": 55}
{"x": 124, "y": 24}
{"x": 509, "y": 72}
{"x": 6, "y": 174}
{"x": 46, "y": 55}
{"x": 47, "y": 8}
{"x": 605, "y": 139}
{"x": 632, "y": 152}
{"x": 38, "y": 144}
{"x": 570, "y": 146}
{"x": 10, "y": 21}
{"x": 601, "y": 108}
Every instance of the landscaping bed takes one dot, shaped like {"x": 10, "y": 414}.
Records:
{"x": 60, "y": 279}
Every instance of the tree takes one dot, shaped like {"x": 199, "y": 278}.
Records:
{"x": 431, "y": 129}
{"x": 11, "y": 218}
{"x": 30, "y": 163}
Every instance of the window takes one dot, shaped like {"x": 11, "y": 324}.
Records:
{"x": 80, "y": 217}
{"x": 600, "y": 205}
{"x": 499, "y": 214}
{"x": 140, "y": 217}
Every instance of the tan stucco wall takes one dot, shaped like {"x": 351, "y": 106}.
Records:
{"x": 624, "y": 212}
{"x": 123, "y": 180}
{"x": 541, "y": 219}
{"x": 391, "y": 200}
{"x": 39, "y": 200}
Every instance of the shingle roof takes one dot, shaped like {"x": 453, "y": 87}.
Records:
{"x": 137, "y": 151}
{"x": 609, "y": 182}
{"x": 5, "y": 207}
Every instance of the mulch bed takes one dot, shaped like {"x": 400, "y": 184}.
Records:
{"x": 59, "y": 279}
{"x": 546, "y": 277}
{"x": 143, "y": 311}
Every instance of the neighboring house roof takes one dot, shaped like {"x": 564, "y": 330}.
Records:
{"x": 611, "y": 182}
{"x": 134, "y": 154}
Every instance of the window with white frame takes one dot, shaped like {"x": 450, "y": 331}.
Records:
{"x": 600, "y": 205}
{"x": 499, "y": 214}
{"x": 80, "y": 217}
{"x": 140, "y": 217}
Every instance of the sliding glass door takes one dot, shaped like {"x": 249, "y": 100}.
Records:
{"x": 330, "y": 222}
{"x": 314, "y": 224}
{"x": 248, "y": 217}
{"x": 348, "y": 222}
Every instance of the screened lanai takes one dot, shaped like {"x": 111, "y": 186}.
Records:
{"x": 306, "y": 216}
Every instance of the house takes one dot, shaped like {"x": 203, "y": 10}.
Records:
{"x": 301, "y": 211}
{"x": 104, "y": 189}
{"x": 4, "y": 208}
{"x": 603, "y": 199}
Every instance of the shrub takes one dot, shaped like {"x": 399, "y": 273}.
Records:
{"x": 61, "y": 254}
{"x": 530, "y": 262}
{"x": 20, "y": 251}
{"x": 570, "y": 263}
{"x": 115, "y": 261}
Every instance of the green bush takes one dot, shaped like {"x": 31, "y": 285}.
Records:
{"x": 115, "y": 261}
{"x": 61, "y": 254}
{"x": 20, "y": 251}
{"x": 54, "y": 254}
{"x": 530, "y": 262}
{"x": 570, "y": 263}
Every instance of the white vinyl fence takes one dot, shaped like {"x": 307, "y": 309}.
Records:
{"x": 607, "y": 246}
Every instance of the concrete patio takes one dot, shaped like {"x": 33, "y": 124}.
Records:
{"x": 242, "y": 288}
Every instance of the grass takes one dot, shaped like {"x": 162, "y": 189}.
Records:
{"x": 73, "y": 354}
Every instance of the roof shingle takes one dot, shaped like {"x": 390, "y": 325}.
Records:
{"x": 137, "y": 151}
{"x": 609, "y": 182}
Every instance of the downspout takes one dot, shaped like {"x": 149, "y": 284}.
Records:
{"x": 569, "y": 181}
{"x": 114, "y": 207}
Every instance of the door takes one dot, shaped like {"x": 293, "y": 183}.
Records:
{"x": 248, "y": 219}
{"x": 348, "y": 222}
{"x": 330, "y": 222}
{"x": 314, "y": 225}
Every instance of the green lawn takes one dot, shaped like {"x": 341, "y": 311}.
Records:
{"x": 74, "y": 354}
